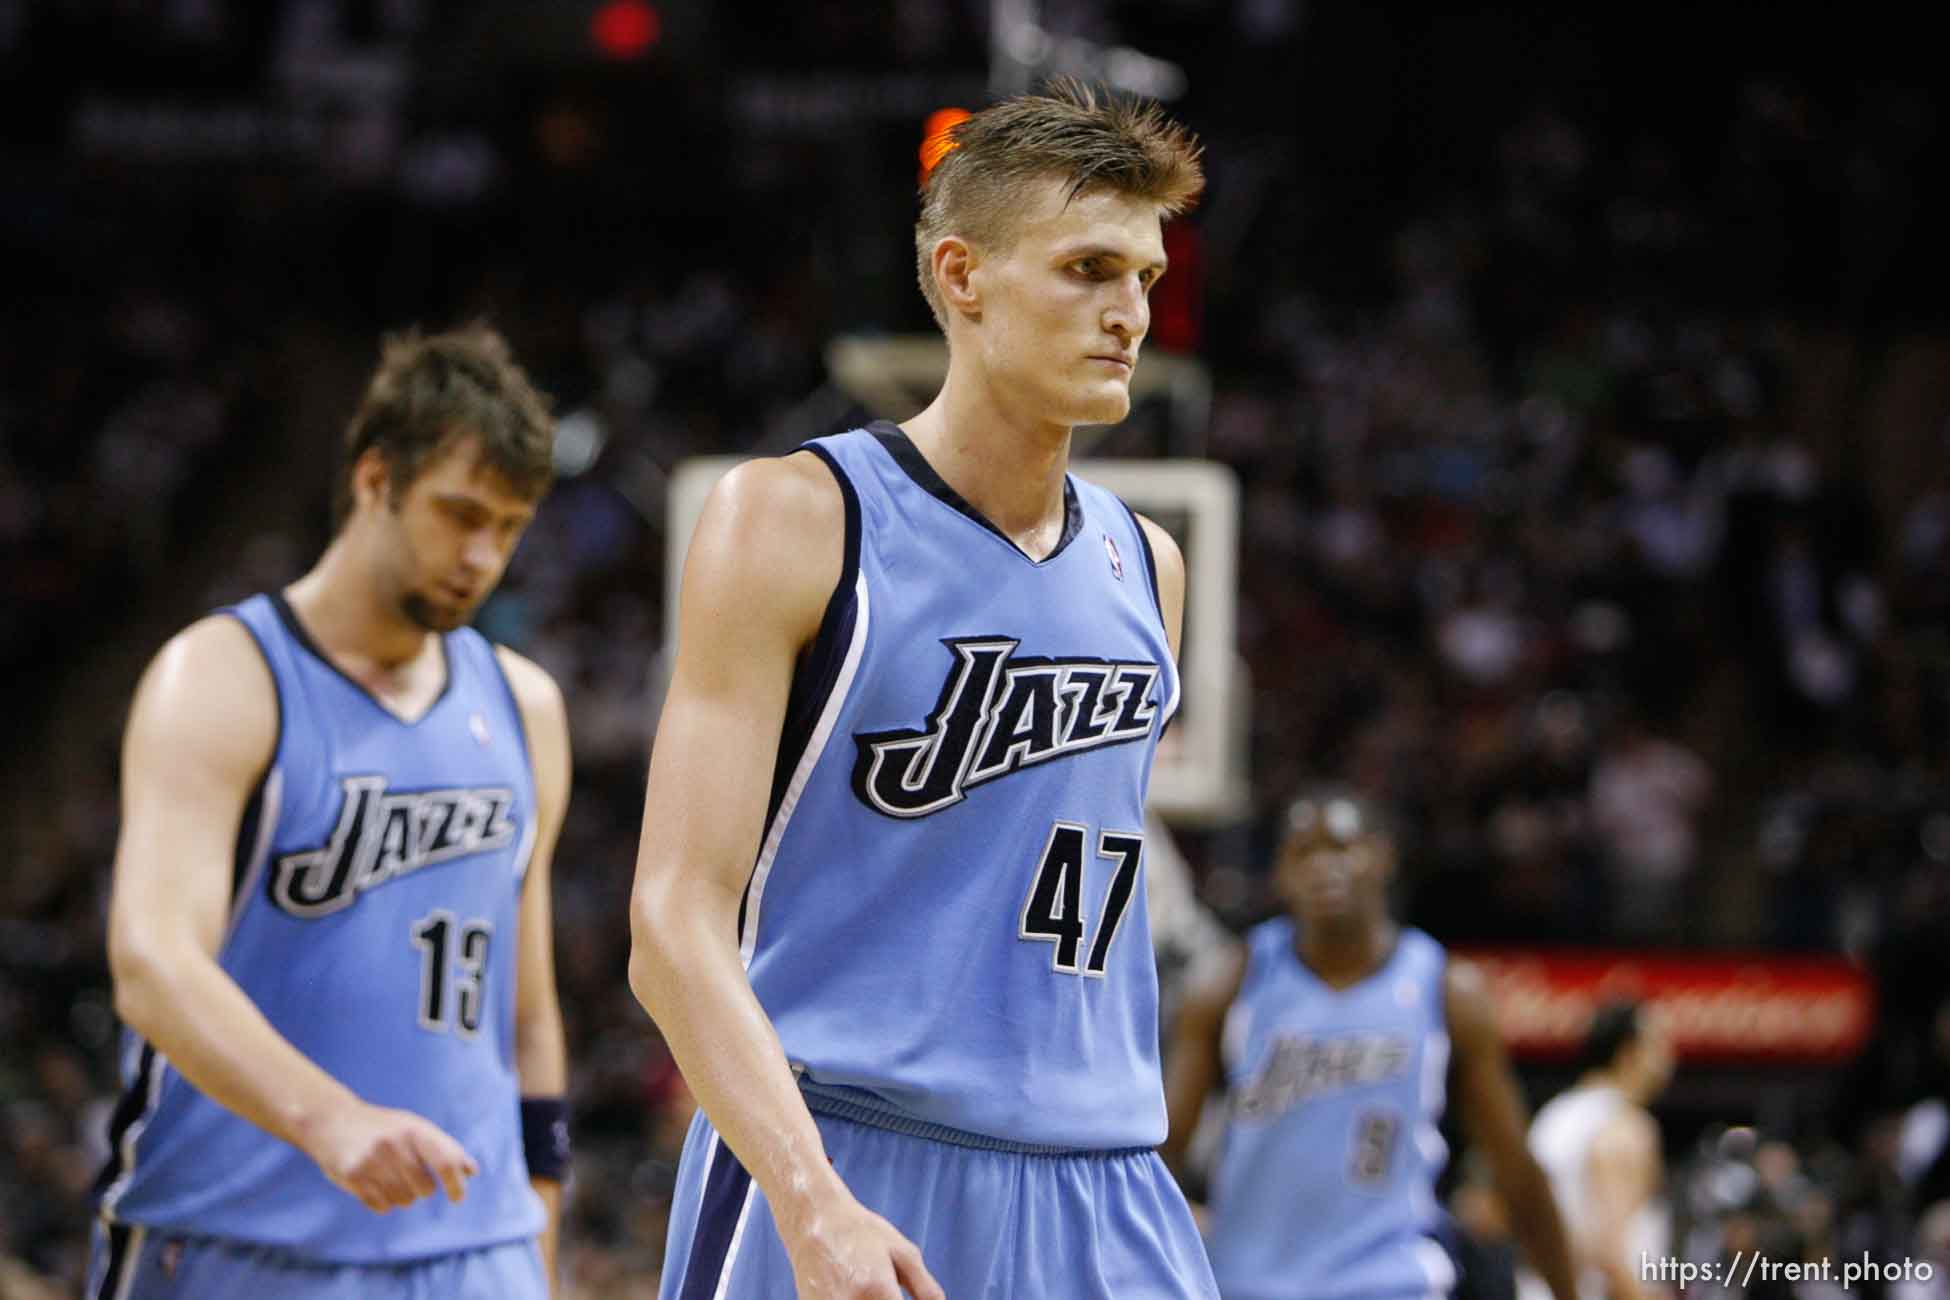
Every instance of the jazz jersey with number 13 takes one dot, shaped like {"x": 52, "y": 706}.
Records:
{"x": 377, "y": 884}
{"x": 946, "y": 919}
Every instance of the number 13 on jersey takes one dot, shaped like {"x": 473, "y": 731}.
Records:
{"x": 1053, "y": 912}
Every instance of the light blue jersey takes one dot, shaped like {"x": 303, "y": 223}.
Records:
{"x": 946, "y": 920}
{"x": 1325, "y": 1185}
{"x": 378, "y": 879}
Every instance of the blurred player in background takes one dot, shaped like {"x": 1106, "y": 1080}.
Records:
{"x": 330, "y": 925}
{"x": 1600, "y": 1146}
{"x": 887, "y": 910}
{"x": 1333, "y": 1029}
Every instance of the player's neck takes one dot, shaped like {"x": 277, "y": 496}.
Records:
{"x": 1009, "y": 468}
{"x": 1341, "y": 956}
{"x": 344, "y": 614}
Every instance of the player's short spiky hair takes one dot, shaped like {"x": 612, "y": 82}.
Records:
{"x": 1071, "y": 133}
{"x": 430, "y": 389}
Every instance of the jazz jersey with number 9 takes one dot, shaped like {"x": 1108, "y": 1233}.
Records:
{"x": 1325, "y": 1184}
{"x": 946, "y": 919}
{"x": 377, "y": 884}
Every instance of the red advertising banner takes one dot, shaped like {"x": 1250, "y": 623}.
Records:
{"x": 1732, "y": 1008}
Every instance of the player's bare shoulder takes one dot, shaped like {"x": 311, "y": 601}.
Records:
{"x": 780, "y": 501}
{"x": 536, "y": 692}
{"x": 773, "y": 531}
{"x": 1466, "y": 999}
{"x": 207, "y": 694}
{"x": 544, "y": 716}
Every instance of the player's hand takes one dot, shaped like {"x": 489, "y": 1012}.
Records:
{"x": 390, "y": 1158}
{"x": 845, "y": 1251}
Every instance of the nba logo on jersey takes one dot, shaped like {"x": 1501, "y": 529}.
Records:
{"x": 1116, "y": 560}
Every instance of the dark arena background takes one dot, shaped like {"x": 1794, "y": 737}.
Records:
{"x": 1581, "y": 379}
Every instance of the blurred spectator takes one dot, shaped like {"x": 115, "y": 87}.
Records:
{"x": 1647, "y": 796}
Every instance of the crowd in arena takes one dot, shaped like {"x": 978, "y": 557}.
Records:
{"x": 1541, "y": 546}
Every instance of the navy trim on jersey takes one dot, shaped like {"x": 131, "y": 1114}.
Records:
{"x": 129, "y": 1111}
{"x": 818, "y": 669}
{"x": 839, "y": 1103}
{"x": 289, "y": 618}
{"x": 240, "y": 862}
{"x": 812, "y": 680}
{"x": 726, "y": 1188}
{"x": 1150, "y": 563}
{"x": 514, "y": 703}
{"x": 521, "y": 734}
{"x": 120, "y": 1237}
{"x": 247, "y": 827}
{"x": 910, "y": 459}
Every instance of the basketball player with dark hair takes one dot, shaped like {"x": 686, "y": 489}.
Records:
{"x": 329, "y": 931}
{"x": 1600, "y": 1146}
{"x": 1334, "y": 1031}
{"x": 889, "y": 910}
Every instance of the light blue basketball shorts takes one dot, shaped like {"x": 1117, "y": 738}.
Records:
{"x": 993, "y": 1221}
{"x": 131, "y": 1263}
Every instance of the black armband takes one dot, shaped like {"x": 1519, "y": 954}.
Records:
{"x": 545, "y": 1137}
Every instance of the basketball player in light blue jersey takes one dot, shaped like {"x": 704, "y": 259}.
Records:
{"x": 1333, "y": 1031}
{"x": 889, "y": 909}
{"x": 330, "y": 924}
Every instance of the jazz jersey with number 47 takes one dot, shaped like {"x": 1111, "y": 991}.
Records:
{"x": 377, "y": 885}
{"x": 946, "y": 919}
{"x": 1325, "y": 1185}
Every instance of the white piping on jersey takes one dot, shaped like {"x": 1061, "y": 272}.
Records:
{"x": 526, "y": 849}
{"x": 815, "y": 746}
{"x": 158, "y": 1067}
{"x": 269, "y": 805}
{"x": 131, "y": 1262}
{"x": 731, "y": 1251}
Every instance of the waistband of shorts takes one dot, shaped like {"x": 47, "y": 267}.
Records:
{"x": 848, "y": 1106}
{"x": 284, "y": 1255}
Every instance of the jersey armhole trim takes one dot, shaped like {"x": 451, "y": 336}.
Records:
{"x": 1158, "y": 604}
{"x": 526, "y": 848}
{"x": 1150, "y": 561}
{"x": 254, "y": 804}
{"x": 494, "y": 649}
{"x": 850, "y": 558}
{"x": 815, "y": 680}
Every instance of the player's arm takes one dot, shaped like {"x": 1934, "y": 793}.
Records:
{"x": 1171, "y": 579}
{"x": 541, "y": 1057}
{"x": 201, "y": 733}
{"x": 1194, "y": 1065}
{"x": 763, "y": 563}
{"x": 1496, "y": 1121}
{"x": 1621, "y": 1174}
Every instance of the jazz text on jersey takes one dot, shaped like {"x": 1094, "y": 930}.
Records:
{"x": 998, "y": 714}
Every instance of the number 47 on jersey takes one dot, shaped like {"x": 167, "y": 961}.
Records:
{"x": 1053, "y": 912}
